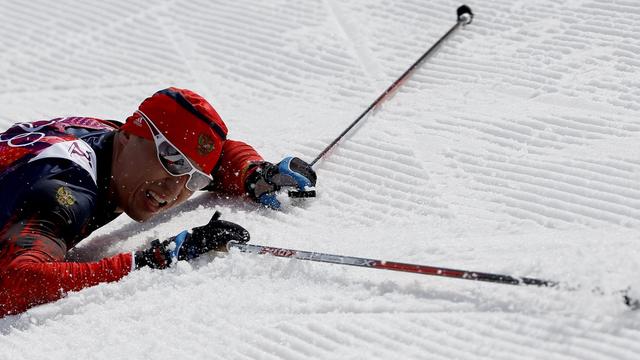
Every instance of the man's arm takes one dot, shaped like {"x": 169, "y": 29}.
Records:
{"x": 34, "y": 278}
{"x": 236, "y": 164}
{"x": 242, "y": 171}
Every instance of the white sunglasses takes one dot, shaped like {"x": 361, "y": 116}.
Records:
{"x": 174, "y": 161}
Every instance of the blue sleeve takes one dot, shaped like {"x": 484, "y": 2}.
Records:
{"x": 54, "y": 198}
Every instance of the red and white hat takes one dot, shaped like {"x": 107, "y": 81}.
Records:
{"x": 187, "y": 120}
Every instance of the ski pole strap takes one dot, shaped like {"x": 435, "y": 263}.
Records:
{"x": 388, "y": 265}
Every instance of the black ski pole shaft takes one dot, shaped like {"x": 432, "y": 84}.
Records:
{"x": 389, "y": 265}
{"x": 465, "y": 16}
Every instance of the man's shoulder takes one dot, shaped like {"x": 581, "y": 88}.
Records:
{"x": 61, "y": 138}
{"x": 32, "y": 178}
{"x": 56, "y": 191}
{"x": 49, "y": 172}
{"x": 77, "y": 152}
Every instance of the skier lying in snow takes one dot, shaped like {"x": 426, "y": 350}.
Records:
{"x": 61, "y": 179}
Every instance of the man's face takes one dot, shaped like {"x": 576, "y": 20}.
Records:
{"x": 139, "y": 183}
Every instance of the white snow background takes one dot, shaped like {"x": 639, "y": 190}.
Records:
{"x": 515, "y": 149}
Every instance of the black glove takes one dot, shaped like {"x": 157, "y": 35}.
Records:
{"x": 186, "y": 246}
{"x": 269, "y": 178}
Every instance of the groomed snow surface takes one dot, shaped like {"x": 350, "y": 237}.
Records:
{"x": 516, "y": 149}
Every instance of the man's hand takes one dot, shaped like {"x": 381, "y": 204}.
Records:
{"x": 186, "y": 246}
{"x": 268, "y": 178}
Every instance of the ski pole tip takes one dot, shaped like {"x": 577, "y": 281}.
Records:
{"x": 465, "y": 15}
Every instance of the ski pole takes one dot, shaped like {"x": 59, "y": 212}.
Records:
{"x": 465, "y": 16}
{"x": 632, "y": 303}
{"x": 388, "y": 265}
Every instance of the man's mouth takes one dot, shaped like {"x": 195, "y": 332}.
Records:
{"x": 153, "y": 196}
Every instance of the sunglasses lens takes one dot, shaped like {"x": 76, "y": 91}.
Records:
{"x": 197, "y": 181}
{"x": 172, "y": 159}
{"x": 175, "y": 162}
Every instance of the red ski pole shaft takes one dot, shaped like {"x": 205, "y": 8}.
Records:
{"x": 388, "y": 265}
{"x": 630, "y": 301}
{"x": 465, "y": 16}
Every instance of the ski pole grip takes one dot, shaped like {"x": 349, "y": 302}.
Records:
{"x": 465, "y": 15}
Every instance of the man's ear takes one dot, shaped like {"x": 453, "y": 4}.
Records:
{"x": 120, "y": 141}
{"x": 122, "y": 137}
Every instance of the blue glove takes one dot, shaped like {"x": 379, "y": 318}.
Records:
{"x": 186, "y": 246}
{"x": 268, "y": 178}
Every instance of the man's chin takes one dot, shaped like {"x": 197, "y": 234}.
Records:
{"x": 139, "y": 217}
{"x": 138, "y": 214}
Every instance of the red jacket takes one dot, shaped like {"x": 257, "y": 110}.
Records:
{"x": 54, "y": 178}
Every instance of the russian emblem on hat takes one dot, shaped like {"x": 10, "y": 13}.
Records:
{"x": 205, "y": 144}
